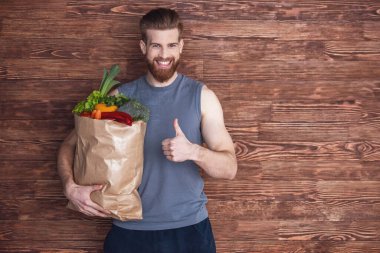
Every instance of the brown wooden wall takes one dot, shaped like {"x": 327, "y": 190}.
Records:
{"x": 299, "y": 82}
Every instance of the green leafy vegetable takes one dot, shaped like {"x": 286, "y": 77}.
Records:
{"x": 137, "y": 110}
{"x": 100, "y": 96}
{"x": 131, "y": 106}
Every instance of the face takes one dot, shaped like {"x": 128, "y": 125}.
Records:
{"x": 162, "y": 52}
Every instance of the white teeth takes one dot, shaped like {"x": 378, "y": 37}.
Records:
{"x": 163, "y": 62}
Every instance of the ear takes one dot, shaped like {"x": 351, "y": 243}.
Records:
{"x": 181, "y": 43}
{"x": 143, "y": 47}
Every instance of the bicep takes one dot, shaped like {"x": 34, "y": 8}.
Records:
{"x": 214, "y": 131}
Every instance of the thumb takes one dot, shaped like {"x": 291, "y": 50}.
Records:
{"x": 178, "y": 130}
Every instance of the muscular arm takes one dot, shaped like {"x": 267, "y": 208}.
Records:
{"x": 65, "y": 161}
{"x": 218, "y": 159}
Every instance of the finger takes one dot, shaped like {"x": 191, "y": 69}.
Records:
{"x": 94, "y": 205}
{"x": 93, "y": 212}
{"x": 167, "y": 153}
{"x": 165, "y": 142}
{"x": 177, "y": 128}
{"x": 167, "y": 148}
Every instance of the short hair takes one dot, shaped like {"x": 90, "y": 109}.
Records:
{"x": 160, "y": 19}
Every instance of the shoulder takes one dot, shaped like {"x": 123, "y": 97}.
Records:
{"x": 190, "y": 82}
{"x": 209, "y": 101}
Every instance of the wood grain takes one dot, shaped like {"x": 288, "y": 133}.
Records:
{"x": 241, "y": 10}
{"x": 299, "y": 86}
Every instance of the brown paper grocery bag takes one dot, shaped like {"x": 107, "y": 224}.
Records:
{"x": 111, "y": 154}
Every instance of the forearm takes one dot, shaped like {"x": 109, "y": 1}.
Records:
{"x": 64, "y": 164}
{"x": 217, "y": 164}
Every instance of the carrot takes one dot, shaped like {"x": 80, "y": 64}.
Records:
{"x": 98, "y": 114}
{"x": 93, "y": 114}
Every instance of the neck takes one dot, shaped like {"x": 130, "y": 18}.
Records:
{"x": 153, "y": 82}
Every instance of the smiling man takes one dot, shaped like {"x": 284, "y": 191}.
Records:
{"x": 185, "y": 115}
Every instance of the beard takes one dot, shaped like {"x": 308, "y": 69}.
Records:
{"x": 162, "y": 75}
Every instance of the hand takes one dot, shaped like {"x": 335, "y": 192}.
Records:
{"x": 80, "y": 197}
{"x": 179, "y": 148}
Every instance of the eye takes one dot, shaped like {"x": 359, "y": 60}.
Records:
{"x": 155, "y": 45}
{"x": 173, "y": 45}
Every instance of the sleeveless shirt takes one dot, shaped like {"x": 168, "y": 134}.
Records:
{"x": 171, "y": 192}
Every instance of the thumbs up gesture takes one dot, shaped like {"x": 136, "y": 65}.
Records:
{"x": 179, "y": 148}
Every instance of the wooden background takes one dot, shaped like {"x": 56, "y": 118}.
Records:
{"x": 299, "y": 82}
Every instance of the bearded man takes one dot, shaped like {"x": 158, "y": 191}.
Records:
{"x": 185, "y": 115}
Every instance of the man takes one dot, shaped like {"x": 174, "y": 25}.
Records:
{"x": 184, "y": 115}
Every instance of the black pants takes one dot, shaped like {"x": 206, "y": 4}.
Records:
{"x": 196, "y": 238}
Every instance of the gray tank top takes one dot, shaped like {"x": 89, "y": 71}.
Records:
{"x": 171, "y": 192}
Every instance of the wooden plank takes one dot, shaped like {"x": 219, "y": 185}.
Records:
{"x": 364, "y": 130}
{"x": 48, "y": 246}
{"x": 323, "y": 112}
{"x": 297, "y": 230}
{"x": 317, "y": 170}
{"x": 240, "y": 129}
{"x": 371, "y": 31}
{"x": 308, "y": 91}
{"x": 346, "y": 190}
{"x": 352, "y": 50}
{"x": 34, "y": 10}
{"x": 31, "y": 209}
{"x": 248, "y": 50}
{"x": 330, "y": 231}
{"x": 257, "y": 210}
{"x": 28, "y": 170}
{"x": 91, "y": 229}
{"x": 291, "y": 70}
{"x": 278, "y": 30}
{"x": 48, "y": 28}
{"x": 29, "y": 150}
{"x": 31, "y": 129}
{"x": 71, "y": 90}
{"x": 31, "y": 189}
{"x": 262, "y": 150}
{"x": 297, "y": 131}
{"x": 260, "y": 190}
{"x": 249, "y": 111}
{"x": 37, "y": 110}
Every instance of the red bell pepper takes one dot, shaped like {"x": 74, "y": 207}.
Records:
{"x": 121, "y": 117}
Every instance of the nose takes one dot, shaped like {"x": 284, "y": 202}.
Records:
{"x": 163, "y": 52}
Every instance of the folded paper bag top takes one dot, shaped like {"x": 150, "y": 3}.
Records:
{"x": 111, "y": 154}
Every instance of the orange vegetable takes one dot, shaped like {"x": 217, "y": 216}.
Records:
{"x": 98, "y": 114}
{"x": 93, "y": 114}
{"x": 104, "y": 108}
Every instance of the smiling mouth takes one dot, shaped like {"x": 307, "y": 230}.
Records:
{"x": 164, "y": 63}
